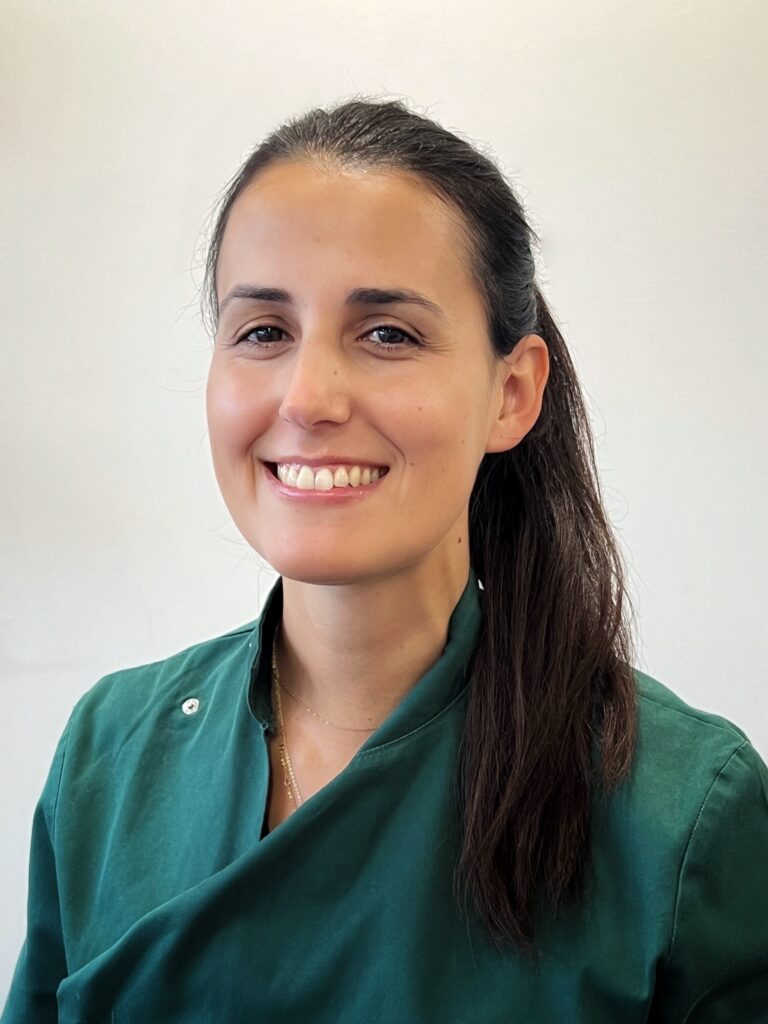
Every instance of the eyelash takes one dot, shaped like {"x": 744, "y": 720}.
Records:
{"x": 385, "y": 346}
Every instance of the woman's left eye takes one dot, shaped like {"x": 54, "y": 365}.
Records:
{"x": 387, "y": 345}
{"x": 388, "y": 327}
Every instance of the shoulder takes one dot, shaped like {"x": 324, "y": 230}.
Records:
{"x": 661, "y": 707}
{"x": 696, "y": 785}
{"x": 682, "y": 746}
{"x": 698, "y": 808}
{"x": 682, "y": 754}
{"x": 134, "y": 697}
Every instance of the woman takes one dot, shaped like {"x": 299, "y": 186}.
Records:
{"x": 425, "y": 783}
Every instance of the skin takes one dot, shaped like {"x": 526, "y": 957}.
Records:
{"x": 369, "y": 587}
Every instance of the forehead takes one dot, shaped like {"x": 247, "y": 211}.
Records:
{"x": 296, "y": 219}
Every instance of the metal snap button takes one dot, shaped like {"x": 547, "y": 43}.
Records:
{"x": 190, "y": 705}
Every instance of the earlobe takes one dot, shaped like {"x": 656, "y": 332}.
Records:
{"x": 522, "y": 378}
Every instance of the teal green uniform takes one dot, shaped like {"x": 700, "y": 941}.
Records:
{"x": 155, "y": 894}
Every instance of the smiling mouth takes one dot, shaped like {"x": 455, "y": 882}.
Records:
{"x": 326, "y": 479}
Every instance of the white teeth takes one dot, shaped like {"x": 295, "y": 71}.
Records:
{"x": 323, "y": 479}
{"x": 306, "y": 479}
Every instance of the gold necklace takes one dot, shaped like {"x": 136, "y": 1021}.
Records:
{"x": 333, "y": 725}
{"x": 289, "y": 775}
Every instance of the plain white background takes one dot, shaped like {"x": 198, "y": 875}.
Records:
{"x": 634, "y": 133}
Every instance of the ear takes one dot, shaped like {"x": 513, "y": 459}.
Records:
{"x": 521, "y": 378}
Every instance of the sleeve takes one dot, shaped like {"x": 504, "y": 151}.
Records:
{"x": 716, "y": 970}
{"x": 42, "y": 961}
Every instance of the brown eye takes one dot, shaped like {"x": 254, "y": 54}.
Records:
{"x": 390, "y": 329}
{"x": 260, "y": 341}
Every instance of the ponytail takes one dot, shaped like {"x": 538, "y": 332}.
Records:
{"x": 551, "y": 676}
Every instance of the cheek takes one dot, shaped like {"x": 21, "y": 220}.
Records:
{"x": 235, "y": 415}
{"x": 442, "y": 432}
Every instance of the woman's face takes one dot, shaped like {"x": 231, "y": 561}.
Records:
{"x": 307, "y": 376}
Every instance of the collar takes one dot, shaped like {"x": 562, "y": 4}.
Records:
{"x": 434, "y": 691}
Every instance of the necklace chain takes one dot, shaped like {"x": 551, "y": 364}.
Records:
{"x": 346, "y": 728}
{"x": 297, "y": 700}
{"x": 289, "y": 775}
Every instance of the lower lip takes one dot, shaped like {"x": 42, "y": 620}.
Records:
{"x": 336, "y": 496}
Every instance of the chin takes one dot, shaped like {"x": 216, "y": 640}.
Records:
{"x": 319, "y": 568}
{"x": 323, "y": 569}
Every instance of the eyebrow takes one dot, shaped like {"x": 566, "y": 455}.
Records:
{"x": 357, "y": 297}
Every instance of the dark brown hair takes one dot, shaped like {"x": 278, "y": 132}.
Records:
{"x": 551, "y": 703}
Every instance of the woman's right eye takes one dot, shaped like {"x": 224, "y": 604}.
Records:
{"x": 261, "y": 327}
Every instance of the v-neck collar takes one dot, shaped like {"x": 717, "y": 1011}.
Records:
{"x": 434, "y": 691}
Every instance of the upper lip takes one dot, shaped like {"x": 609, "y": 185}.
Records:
{"x": 325, "y": 460}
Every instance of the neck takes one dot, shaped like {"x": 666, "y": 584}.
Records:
{"x": 352, "y": 652}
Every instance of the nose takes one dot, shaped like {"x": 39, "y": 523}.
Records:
{"x": 316, "y": 384}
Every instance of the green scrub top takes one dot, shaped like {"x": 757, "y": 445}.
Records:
{"x": 155, "y": 896}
